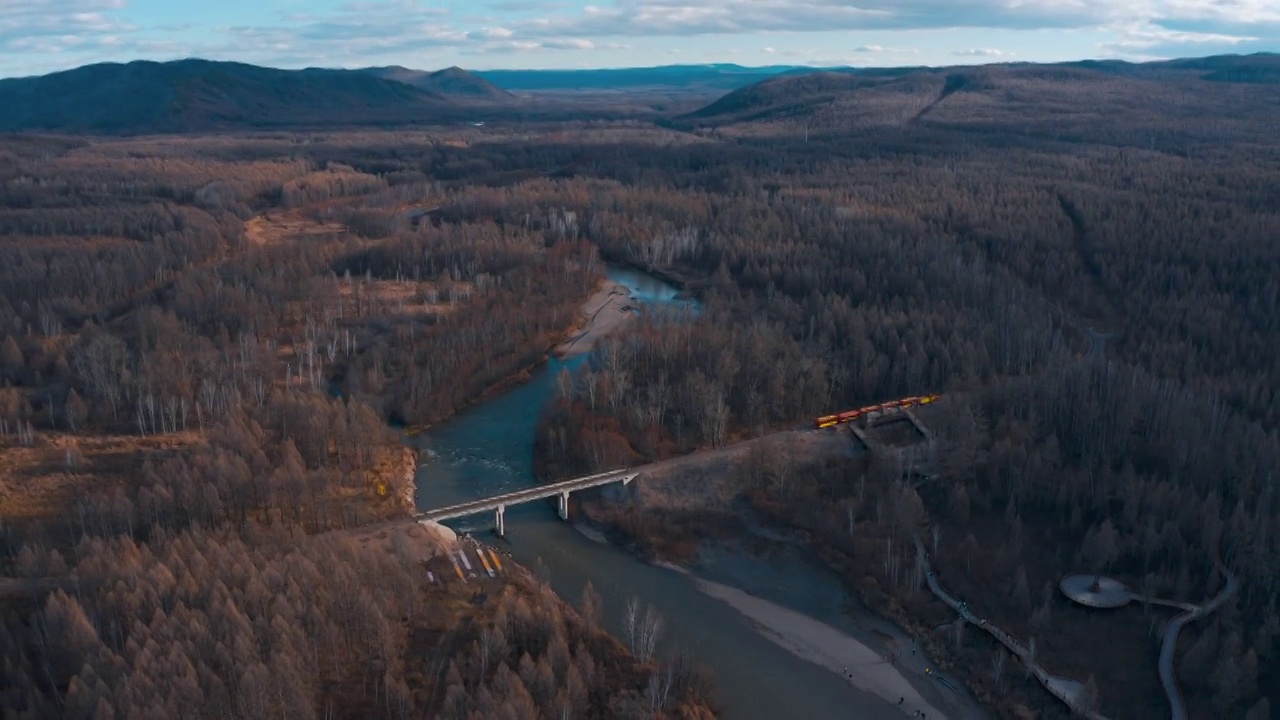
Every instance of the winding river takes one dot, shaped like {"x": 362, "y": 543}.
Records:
{"x": 489, "y": 449}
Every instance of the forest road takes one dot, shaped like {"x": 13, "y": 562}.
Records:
{"x": 1097, "y": 343}
{"x": 1169, "y": 643}
{"x": 1064, "y": 689}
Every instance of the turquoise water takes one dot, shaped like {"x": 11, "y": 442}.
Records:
{"x": 646, "y": 288}
{"x": 489, "y": 450}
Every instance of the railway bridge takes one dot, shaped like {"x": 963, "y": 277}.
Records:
{"x": 498, "y": 503}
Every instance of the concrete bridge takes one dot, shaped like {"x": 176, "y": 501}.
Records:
{"x": 498, "y": 503}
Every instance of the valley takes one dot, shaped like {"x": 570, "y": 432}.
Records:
{"x": 255, "y": 319}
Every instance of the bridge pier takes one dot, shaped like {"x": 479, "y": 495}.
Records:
{"x": 924, "y": 431}
{"x": 498, "y": 503}
{"x": 862, "y": 437}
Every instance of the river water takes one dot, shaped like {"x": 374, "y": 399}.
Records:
{"x": 489, "y": 450}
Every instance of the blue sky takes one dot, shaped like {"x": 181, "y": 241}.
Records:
{"x": 39, "y": 36}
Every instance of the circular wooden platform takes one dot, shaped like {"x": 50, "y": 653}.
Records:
{"x": 1096, "y": 591}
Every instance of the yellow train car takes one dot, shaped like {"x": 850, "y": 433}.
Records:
{"x": 827, "y": 421}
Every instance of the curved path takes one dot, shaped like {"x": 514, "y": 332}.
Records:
{"x": 1065, "y": 689}
{"x": 1175, "y": 604}
{"x": 1177, "y": 709}
{"x": 1097, "y": 342}
{"x": 1169, "y": 641}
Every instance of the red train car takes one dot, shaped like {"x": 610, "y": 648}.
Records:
{"x": 827, "y": 421}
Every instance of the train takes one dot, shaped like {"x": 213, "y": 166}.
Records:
{"x": 827, "y": 421}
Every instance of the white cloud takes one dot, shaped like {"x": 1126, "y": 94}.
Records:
{"x": 569, "y": 44}
{"x": 1229, "y": 11}
{"x": 982, "y": 52}
{"x": 528, "y": 6}
{"x": 1141, "y": 42}
{"x": 39, "y": 35}
{"x": 1145, "y": 37}
{"x": 25, "y": 20}
{"x": 695, "y": 17}
{"x": 882, "y": 50}
{"x": 496, "y": 33}
{"x": 528, "y": 46}
{"x": 669, "y": 18}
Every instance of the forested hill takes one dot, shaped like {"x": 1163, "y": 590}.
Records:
{"x": 452, "y": 81}
{"x": 200, "y": 95}
{"x": 841, "y": 98}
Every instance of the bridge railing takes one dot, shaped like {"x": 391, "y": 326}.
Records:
{"x": 584, "y": 478}
{"x": 525, "y": 495}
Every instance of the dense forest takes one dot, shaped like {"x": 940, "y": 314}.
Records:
{"x": 264, "y": 622}
{"x": 203, "y": 339}
{"x": 1097, "y": 303}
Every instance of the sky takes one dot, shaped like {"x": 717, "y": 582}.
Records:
{"x": 40, "y": 36}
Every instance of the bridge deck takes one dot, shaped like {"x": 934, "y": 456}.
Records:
{"x": 522, "y": 496}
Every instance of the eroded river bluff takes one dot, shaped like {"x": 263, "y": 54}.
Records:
{"x": 776, "y": 630}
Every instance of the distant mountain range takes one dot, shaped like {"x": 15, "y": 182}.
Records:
{"x": 721, "y": 77}
{"x": 452, "y": 81}
{"x": 1095, "y": 94}
{"x": 801, "y": 85}
{"x": 202, "y": 95}
{"x": 1260, "y": 67}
